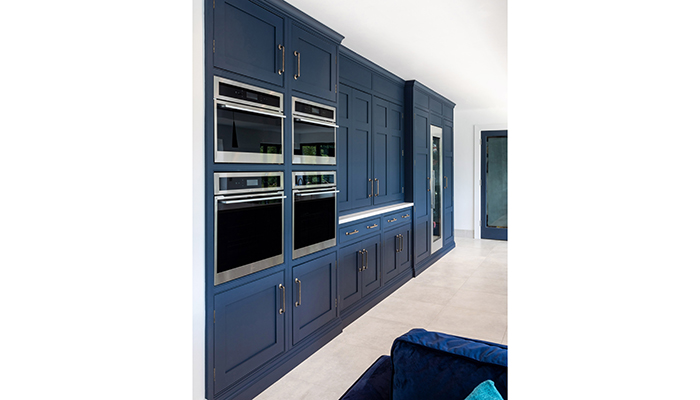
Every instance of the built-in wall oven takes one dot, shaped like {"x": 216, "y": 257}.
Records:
{"x": 249, "y": 123}
{"x": 248, "y": 223}
{"x": 313, "y": 132}
{"x": 315, "y": 214}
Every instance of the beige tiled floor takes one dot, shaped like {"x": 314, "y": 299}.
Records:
{"x": 465, "y": 294}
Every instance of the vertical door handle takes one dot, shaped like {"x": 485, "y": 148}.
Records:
{"x": 298, "y": 282}
{"x": 377, "y": 180}
{"x": 402, "y": 242}
{"x": 362, "y": 260}
{"x": 366, "y": 259}
{"x": 284, "y": 295}
{"x": 446, "y": 182}
{"x": 281, "y": 48}
{"x": 428, "y": 183}
{"x": 398, "y": 247}
{"x": 371, "y": 185}
{"x": 298, "y": 74}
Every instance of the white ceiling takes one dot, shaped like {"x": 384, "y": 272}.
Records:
{"x": 456, "y": 47}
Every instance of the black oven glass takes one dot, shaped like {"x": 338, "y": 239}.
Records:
{"x": 313, "y": 140}
{"x": 247, "y": 132}
{"x": 248, "y": 232}
{"x": 314, "y": 219}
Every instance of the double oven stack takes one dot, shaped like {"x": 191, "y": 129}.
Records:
{"x": 249, "y": 220}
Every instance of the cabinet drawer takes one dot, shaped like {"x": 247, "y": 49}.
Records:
{"x": 397, "y": 218}
{"x": 352, "y": 231}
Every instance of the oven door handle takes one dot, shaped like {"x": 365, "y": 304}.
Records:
{"x": 313, "y": 121}
{"x": 251, "y": 200}
{"x": 252, "y": 110}
{"x": 317, "y": 193}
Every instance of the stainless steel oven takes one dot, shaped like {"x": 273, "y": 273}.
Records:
{"x": 248, "y": 223}
{"x": 249, "y": 123}
{"x": 315, "y": 213}
{"x": 313, "y": 133}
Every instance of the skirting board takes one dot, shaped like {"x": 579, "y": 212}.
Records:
{"x": 464, "y": 233}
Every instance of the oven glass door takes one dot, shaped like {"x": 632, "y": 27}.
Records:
{"x": 245, "y": 135}
{"x": 249, "y": 235}
{"x": 314, "y": 142}
{"x": 315, "y": 221}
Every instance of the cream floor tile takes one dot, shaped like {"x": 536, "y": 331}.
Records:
{"x": 480, "y": 301}
{"x": 288, "y": 388}
{"x": 405, "y": 311}
{"x": 374, "y": 332}
{"x": 470, "y": 323}
{"x": 487, "y": 285}
{"x": 425, "y": 293}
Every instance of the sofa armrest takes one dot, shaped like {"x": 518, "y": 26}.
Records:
{"x": 432, "y": 365}
{"x": 374, "y": 384}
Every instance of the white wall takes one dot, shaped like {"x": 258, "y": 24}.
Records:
{"x": 465, "y": 120}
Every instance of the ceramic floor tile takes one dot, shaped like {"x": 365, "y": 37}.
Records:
{"x": 480, "y": 301}
{"x": 425, "y": 293}
{"x": 487, "y": 285}
{"x": 287, "y": 388}
{"x": 470, "y": 323}
{"x": 374, "y": 333}
{"x": 405, "y": 311}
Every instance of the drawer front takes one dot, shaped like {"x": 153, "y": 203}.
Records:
{"x": 351, "y": 231}
{"x": 397, "y": 218}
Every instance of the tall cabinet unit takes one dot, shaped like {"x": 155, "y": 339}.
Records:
{"x": 262, "y": 324}
{"x": 428, "y": 112}
{"x": 372, "y": 134}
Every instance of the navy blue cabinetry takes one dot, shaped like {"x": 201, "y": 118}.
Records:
{"x": 396, "y": 256}
{"x": 430, "y": 114}
{"x": 387, "y": 146}
{"x": 249, "y": 40}
{"x": 359, "y": 271}
{"x": 313, "y": 296}
{"x": 313, "y": 62}
{"x": 248, "y": 328}
{"x": 375, "y": 129}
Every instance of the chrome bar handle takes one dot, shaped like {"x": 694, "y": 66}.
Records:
{"x": 298, "y": 74}
{"x": 281, "y": 48}
{"x": 316, "y": 122}
{"x": 366, "y": 258}
{"x": 316, "y": 193}
{"x": 251, "y": 199}
{"x": 398, "y": 248}
{"x": 372, "y": 186}
{"x": 362, "y": 260}
{"x": 253, "y": 111}
{"x": 284, "y": 295}
{"x": 428, "y": 183}
{"x": 352, "y": 233}
{"x": 446, "y": 181}
{"x": 377, "y": 180}
{"x": 401, "y": 241}
{"x": 298, "y": 282}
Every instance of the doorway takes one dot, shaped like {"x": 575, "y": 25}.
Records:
{"x": 494, "y": 184}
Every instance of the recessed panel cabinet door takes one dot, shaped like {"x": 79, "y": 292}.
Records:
{"x": 360, "y": 140}
{"x": 248, "y": 328}
{"x": 313, "y": 288}
{"x": 248, "y": 40}
{"x": 313, "y": 63}
{"x": 350, "y": 262}
{"x": 423, "y": 237}
{"x": 396, "y": 250}
{"x": 343, "y": 146}
{"x": 372, "y": 273}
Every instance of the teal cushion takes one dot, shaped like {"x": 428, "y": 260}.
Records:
{"x": 485, "y": 391}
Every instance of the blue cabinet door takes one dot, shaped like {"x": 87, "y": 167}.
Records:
{"x": 387, "y": 129}
{"x": 372, "y": 271}
{"x": 342, "y": 148}
{"x": 423, "y": 235}
{"x": 396, "y": 250}
{"x": 350, "y": 263}
{"x": 313, "y": 64}
{"x": 360, "y": 140}
{"x": 248, "y": 328}
{"x": 249, "y": 40}
{"x": 314, "y": 294}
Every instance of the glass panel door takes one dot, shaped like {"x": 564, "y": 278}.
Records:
{"x": 494, "y": 186}
{"x": 436, "y": 188}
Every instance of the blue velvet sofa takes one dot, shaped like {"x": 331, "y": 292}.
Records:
{"x": 430, "y": 365}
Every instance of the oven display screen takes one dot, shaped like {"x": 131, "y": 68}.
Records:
{"x": 253, "y": 182}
